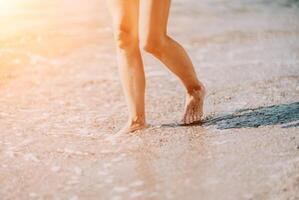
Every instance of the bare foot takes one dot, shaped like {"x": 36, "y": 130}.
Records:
{"x": 123, "y": 134}
{"x": 132, "y": 127}
{"x": 194, "y": 106}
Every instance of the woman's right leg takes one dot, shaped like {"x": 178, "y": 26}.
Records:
{"x": 155, "y": 40}
{"x": 125, "y": 24}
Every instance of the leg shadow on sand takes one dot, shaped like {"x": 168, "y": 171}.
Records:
{"x": 283, "y": 114}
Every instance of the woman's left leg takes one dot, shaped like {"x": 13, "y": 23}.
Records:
{"x": 153, "y": 36}
{"x": 125, "y": 23}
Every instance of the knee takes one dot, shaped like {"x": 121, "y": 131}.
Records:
{"x": 125, "y": 38}
{"x": 153, "y": 45}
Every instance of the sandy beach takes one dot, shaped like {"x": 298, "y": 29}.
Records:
{"x": 61, "y": 102}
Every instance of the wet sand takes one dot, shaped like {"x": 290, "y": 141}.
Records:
{"x": 61, "y": 101}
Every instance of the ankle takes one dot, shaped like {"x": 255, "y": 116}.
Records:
{"x": 136, "y": 120}
{"x": 197, "y": 88}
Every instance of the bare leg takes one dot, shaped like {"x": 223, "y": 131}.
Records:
{"x": 125, "y": 23}
{"x": 153, "y": 35}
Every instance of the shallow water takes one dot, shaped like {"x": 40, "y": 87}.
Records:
{"x": 61, "y": 102}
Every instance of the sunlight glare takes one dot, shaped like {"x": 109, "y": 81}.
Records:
{"x": 8, "y": 6}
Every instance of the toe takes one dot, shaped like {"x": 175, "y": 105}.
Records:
{"x": 200, "y": 113}
{"x": 184, "y": 119}
{"x": 193, "y": 117}
{"x": 197, "y": 117}
{"x": 192, "y": 112}
{"x": 190, "y": 116}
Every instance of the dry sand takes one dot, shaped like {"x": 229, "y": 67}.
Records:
{"x": 61, "y": 100}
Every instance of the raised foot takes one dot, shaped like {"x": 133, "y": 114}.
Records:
{"x": 193, "y": 111}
